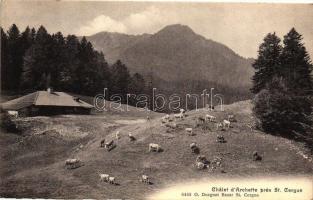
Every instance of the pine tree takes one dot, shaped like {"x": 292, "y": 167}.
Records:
{"x": 38, "y": 62}
{"x": 52, "y": 60}
{"x": 86, "y": 69}
{"x": 32, "y": 34}
{"x": 137, "y": 84}
{"x": 67, "y": 75}
{"x": 14, "y": 58}
{"x": 120, "y": 79}
{"x": 26, "y": 40}
{"x": 58, "y": 59}
{"x": 296, "y": 64}
{"x": 4, "y": 61}
{"x": 283, "y": 105}
{"x": 267, "y": 65}
{"x": 103, "y": 77}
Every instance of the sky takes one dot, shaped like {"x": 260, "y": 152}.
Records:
{"x": 241, "y": 27}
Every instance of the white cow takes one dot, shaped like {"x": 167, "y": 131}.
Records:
{"x": 72, "y": 163}
{"x": 226, "y": 123}
{"x": 166, "y": 117}
{"x": 112, "y": 180}
{"x": 13, "y": 113}
{"x": 104, "y": 177}
{"x": 154, "y": 147}
{"x": 117, "y": 135}
{"x": 131, "y": 137}
{"x": 145, "y": 179}
{"x": 194, "y": 148}
{"x": 193, "y": 145}
{"x": 189, "y": 131}
{"x": 210, "y": 117}
{"x": 219, "y": 125}
{"x": 109, "y": 145}
{"x": 200, "y": 165}
{"x": 179, "y": 115}
{"x": 163, "y": 121}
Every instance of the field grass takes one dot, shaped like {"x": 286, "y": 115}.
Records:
{"x": 33, "y": 165}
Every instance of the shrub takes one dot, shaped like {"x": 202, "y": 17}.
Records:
{"x": 280, "y": 111}
{"x": 7, "y": 124}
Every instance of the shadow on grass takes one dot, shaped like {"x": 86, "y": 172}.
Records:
{"x": 305, "y": 138}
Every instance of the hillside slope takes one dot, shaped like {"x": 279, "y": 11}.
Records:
{"x": 33, "y": 166}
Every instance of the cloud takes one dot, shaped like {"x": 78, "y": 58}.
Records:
{"x": 148, "y": 21}
{"x": 102, "y": 23}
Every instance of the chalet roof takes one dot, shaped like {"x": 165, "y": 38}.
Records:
{"x": 44, "y": 98}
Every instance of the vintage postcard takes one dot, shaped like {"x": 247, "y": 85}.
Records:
{"x": 156, "y": 100}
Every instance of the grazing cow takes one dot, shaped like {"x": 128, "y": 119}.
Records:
{"x": 179, "y": 115}
{"x": 193, "y": 145}
{"x": 202, "y": 158}
{"x": 102, "y": 143}
{"x": 200, "y": 165}
{"x": 109, "y": 145}
{"x": 154, "y": 147}
{"x": 145, "y": 179}
{"x": 104, "y": 177}
{"x": 112, "y": 180}
{"x": 72, "y": 163}
{"x": 210, "y": 107}
{"x": 216, "y": 162}
{"x": 189, "y": 131}
{"x": 219, "y": 125}
{"x": 172, "y": 125}
{"x": 131, "y": 137}
{"x": 194, "y": 148}
{"x": 226, "y": 123}
{"x": 117, "y": 135}
{"x": 210, "y": 117}
{"x": 256, "y": 156}
{"x": 220, "y": 139}
{"x": 166, "y": 117}
{"x": 231, "y": 118}
{"x": 201, "y": 119}
{"x": 13, "y": 113}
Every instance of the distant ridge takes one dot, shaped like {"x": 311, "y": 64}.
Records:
{"x": 176, "y": 53}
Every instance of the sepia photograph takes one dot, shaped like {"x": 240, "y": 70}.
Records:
{"x": 171, "y": 100}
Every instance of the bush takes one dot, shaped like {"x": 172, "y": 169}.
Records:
{"x": 7, "y": 124}
{"x": 279, "y": 111}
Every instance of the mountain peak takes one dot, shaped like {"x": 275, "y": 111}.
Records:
{"x": 177, "y": 53}
{"x": 176, "y": 28}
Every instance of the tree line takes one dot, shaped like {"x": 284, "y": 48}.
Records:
{"x": 34, "y": 60}
{"x": 283, "y": 86}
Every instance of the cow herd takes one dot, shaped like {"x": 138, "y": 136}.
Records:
{"x": 169, "y": 121}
